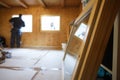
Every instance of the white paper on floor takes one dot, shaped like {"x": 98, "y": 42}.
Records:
{"x": 6, "y": 74}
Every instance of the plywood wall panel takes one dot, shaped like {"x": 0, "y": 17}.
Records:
{"x": 38, "y": 38}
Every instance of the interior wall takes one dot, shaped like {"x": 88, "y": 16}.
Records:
{"x": 38, "y": 38}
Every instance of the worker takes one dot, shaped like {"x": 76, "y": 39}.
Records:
{"x": 17, "y": 23}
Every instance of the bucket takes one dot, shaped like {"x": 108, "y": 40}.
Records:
{"x": 63, "y": 46}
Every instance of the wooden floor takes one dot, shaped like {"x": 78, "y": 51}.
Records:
{"x": 32, "y": 64}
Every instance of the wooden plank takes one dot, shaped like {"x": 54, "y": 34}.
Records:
{"x": 62, "y": 3}
{"x": 99, "y": 39}
{"x": 42, "y": 3}
{"x": 5, "y": 5}
{"x": 22, "y": 4}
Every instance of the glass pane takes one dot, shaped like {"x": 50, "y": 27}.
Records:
{"x": 51, "y": 23}
{"x": 69, "y": 64}
{"x": 80, "y": 33}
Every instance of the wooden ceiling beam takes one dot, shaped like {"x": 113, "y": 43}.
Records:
{"x": 42, "y": 3}
{"x": 4, "y": 4}
{"x": 22, "y": 4}
{"x": 62, "y": 3}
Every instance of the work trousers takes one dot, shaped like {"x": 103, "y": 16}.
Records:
{"x": 15, "y": 38}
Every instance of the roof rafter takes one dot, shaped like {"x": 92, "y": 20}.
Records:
{"x": 22, "y": 4}
{"x": 62, "y": 3}
{"x": 42, "y": 3}
{"x": 4, "y": 4}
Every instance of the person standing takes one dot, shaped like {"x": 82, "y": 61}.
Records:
{"x": 17, "y": 23}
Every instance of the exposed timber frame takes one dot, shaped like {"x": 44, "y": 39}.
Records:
{"x": 4, "y": 4}
{"x": 22, "y": 4}
{"x": 99, "y": 37}
{"x": 42, "y": 3}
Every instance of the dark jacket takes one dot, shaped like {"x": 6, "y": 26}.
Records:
{"x": 17, "y": 22}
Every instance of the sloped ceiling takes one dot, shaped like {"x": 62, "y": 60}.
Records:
{"x": 43, "y": 3}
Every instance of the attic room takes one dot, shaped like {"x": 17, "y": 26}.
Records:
{"x": 61, "y": 40}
